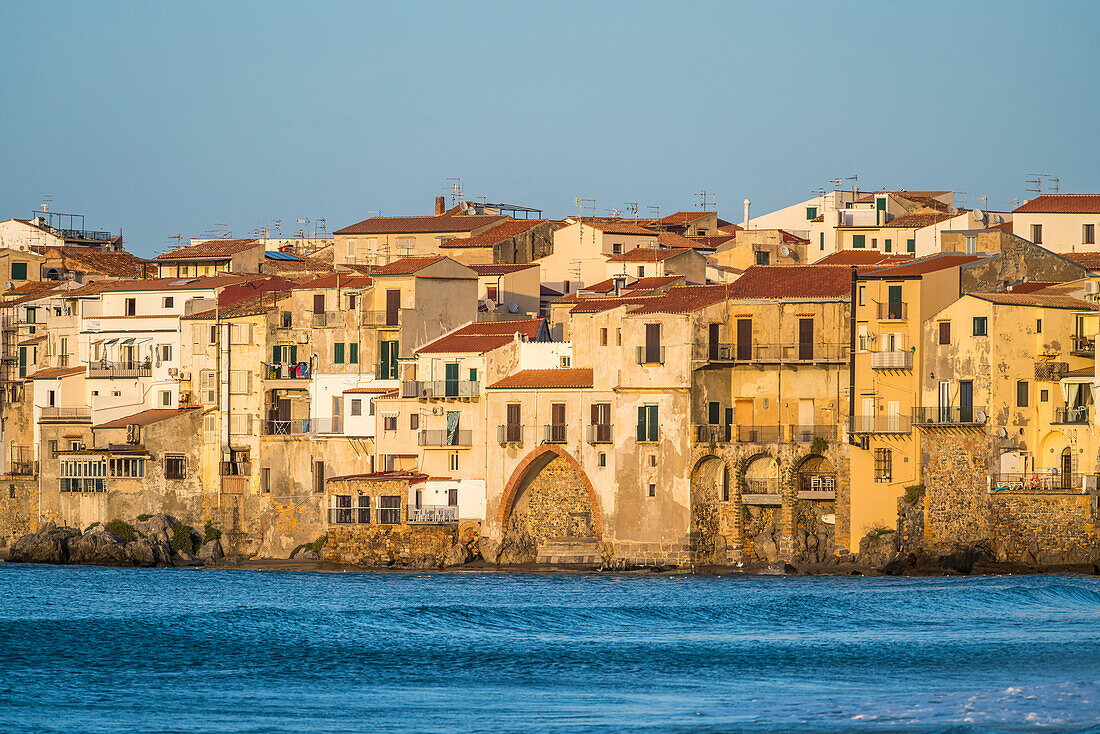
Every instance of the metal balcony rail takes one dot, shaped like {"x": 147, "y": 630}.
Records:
{"x": 433, "y": 514}
{"x": 303, "y": 426}
{"x": 1083, "y": 346}
{"x": 817, "y": 482}
{"x": 382, "y": 318}
{"x": 650, "y": 355}
{"x": 806, "y": 434}
{"x": 790, "y": 352}
{"x": 813, "y": 352}
{"x": 234, "y": 484}
{"x": 63, "y": 360}
{"x": 758, "y": 434}
{"x": 441, "y": 389}
{"x": 713, "y": 434}
{"x": 510, "y": 433}
{"x": 104, "y": 368}
{"x": 761, "y": 486}
{"x": 892, "y": 310}
{"x": 444, "y": 437}
{"x": 892, "y": 360}
{"x": 600, "y": 433}
{"x": 879, "y": 424}
{"x": 1072, "y": 416}
{"x": 1048, "y": 481}
{"x": 55, "y": 413}
{"x": 286, "y": 370}
{"x": 349, "y": 515}
{"x": 325, "y": 319}
{"x": 949, "y": 415}
{"x": 554, "y": 433}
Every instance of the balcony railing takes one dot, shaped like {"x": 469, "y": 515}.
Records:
{"x": 349, "y": 515}
{"x": 752, "y": 352}
{"x": 433, "y": 514}
{"x": 892, "y": 360}
{"x": 648, "y": 355}
{"x": 1048, "y": 481}
{"x": 443, "y": 437}
{"x": 713, "y": 434}
{"x": 120, "y": 369}
{"x": 892, "y": 311}
{"x": 325, "y": 319}
{"x": 879, "y": 424}
{"x": 441, "y": 389}
{"x": 1083, "y": 346}
{"x": 952, "y": 415}
{"x": 554, "y": 433}
{"x": 816, "y": 482}
{"x": 303, "y": 426}
{"x": 54, "y": 413}
{"x": 600, "y": 433}
{"x": 814, "y": 352}
{"x": 761, "y": 486}
{"x": 510, "y": 433}
{"x": 758, "y": 434}
{"x": 806, "y": 434}
{"x": 234, "y": 485}
{"x": 1072, "y": 416}
{"x": 382, "y": 319}
{"x": 286, "y": 370}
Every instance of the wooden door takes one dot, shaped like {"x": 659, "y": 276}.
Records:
{"x": 806, "y": 339}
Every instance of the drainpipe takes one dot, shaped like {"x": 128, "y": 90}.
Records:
{"x": 852, "y": 352}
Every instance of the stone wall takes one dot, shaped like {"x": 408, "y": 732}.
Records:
{"x": 18, "y": 507}
{"x": 422, "y": 546}
{"x": 956, "y": 464}
{"x": 554, "y": 503}
{"x": 1045, "y": 528}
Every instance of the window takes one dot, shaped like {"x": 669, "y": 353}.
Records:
{"x": 945, "y": 332}
{"x": 513, "y": 430}
{"x": 1021, "y": 394}
{"x": 51, "y": 398}
{"x": 601, "y": 423}
{"x": 1044, "y": 396}
{"x": 763, "y": 257}
{"x": 884, "y": 462}
{"x": 414, "y": 421}
{"x": 980, "y": 326}
{"x": 874, "y": 243}
{"x": 647, "y": 423}
{"x": 452, "y": 495}
{"x": 387, "y": 368}
{"x": 127, "y": 467}
{"x": 971, "y": 245}
{"x": 811, "y": 213}
{"x": 240, "y": 381}
{"x": 166, "y": 398}
{"x": 603, "y": 337}
{"x": 863, "y": 295}
{"x": 338, "y": 353}
{"x": 601, "y": 460}
{"x": 213, "y": 334}
{"x": 353, "y": 353}
{"x": 389, "y": 510}
{"x": 265, "y": 480}
{"x": 389, "y": 423}
{"x": 164, "y": 352}
{"x": 208, "y": 384}
{"x": 821, "y": 242}
{"x": 652, "y": 344}
{"x": 175, "y": 467}
{"x": 1038, "y": 326}
{"x": 1088, "y": 234}
{"x": 240, "y": 333}
{"x": 318, "y": 477}
{"x": 85, "y": 475}
{"x": 888, "y": 245}
{"x": 653, "y": 459}
{"x": 18, "y": 271}
{"x": 565, "y": 361}
{"x": 53, "y": 449}
{"x": 454, "y": 462}
{"x": 911, "y": 245}
{"x": 473, "y": 374}
{"x": 357, "y": 406}
{"x": 652, "y": 489}
{"x": 1037, "y": 234}
{"x": 131, "y": 306}
{"x": 240, "y": 424}
{"x": 168, "y": 301}
{"x": 859, "y": 240}
{"x": 714, "y": 413}
{"x": 352, "y": 299}
{"x": 641, "y": 271}
{"x": 617, "y": 248}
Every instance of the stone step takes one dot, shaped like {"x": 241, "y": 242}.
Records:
{"x": 569, "y": 551}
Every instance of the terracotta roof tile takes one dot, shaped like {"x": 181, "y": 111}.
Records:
{"x": 1061, "y": 204}
{"x": 914, "y": 195}
{"x": 482, "y": 336}
{"x": 1030, "y": 286}
{"x": 211, "y": 249}
{"x": 545, "y": 379}
{"x": 53, "y": 373}
{"x": 684, "y": 299}
{"x": 1089, "y": 260}
{"x": 337, "y": 279}
{"x": 916, "y": 221}
{"x": 502, "y": 269}
{"x": 407, "y": 265}
{"x": 301, "y": 265}
{"x": 159, "y": 284}
{"x": 113, "y": 264}
{"x": 146, "y": 417}
{"x": 447, "y": 222}
{"x": 615, "y": 226}
{"x": 712, "y": 242}
{"x": 498, "y": 233}
{"x": 920, "y": 266}
{"x": 251, "y": 306}
{"x": 672, "y": 239}
{"x": 863, "y": 257}
{"x": 793, "y": 282}
{"x": 648, "y": 254}
{"x": 1036, "y": 299}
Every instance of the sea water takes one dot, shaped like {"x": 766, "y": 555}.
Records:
{"x": 85, "y": 649}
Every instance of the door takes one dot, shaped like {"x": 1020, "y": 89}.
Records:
{"x": 806, "y": 339}
{"x": 726, "y": 433}
{"x": 513, "y": 430}
{"x": 944, "y": 412}
{"x": 894, "y": 302}
{"x": 806, "y": 419}
{"x": 712, "y": 341}
{"x": 1066, "y": 469}
{"x": 319, "y": 303}
{"x": 966, "y": 401}
{"x": 337, "y": 414}
{"x": 450, "y": 380}
{"x": 557, "y": 422}
{"x": 893, "y": 415}
{"x": 744, "y": 411}
{"x": 453, "y": 418}
{"x": 393, "y": 307}
{"x": 601, "y": 422}
{"x": 744, "y": 341}
{"x": 867, "y": 414}
{"x": 652, "y": 343}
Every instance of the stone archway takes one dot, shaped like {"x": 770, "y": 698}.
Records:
{"x": 710, "y": 488}
{"x": 814, "y": 537}
{"x": 549, "y": 499}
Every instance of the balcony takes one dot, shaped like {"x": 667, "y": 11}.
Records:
{"x": 816, "y": 485}
{"x": 445, "y": 438}
{"x": 713, "y": 434}
{"x": 441, "y": 389}
{"x": 892, "y": 310}
{"x": 762, "y": 486}
{"x": 285, "y": 370}
{"x": 303, "y": 426}
{"x": 650, "y": 355}
{"x": 789, "y": 353}
{"x": 1050, "y": 480}
{"x": 326, "y": 319}
{"x": 120, "y": 369}
{"x": 1083, "y": 347}
{"x": 53, "y": 414}
{"x": 554, "y": 433}
{"x": 806, "y": 434}
{"x": 382, "y": 319}
{"x": 600, "y": 433}
{"x": 234, "y": 485}
{"x": 22, "y": 461}
{"x": 949, "y": 416}
{"x": 758, "y": 434}
{"x": 510, "y": 433}
{"x": 1072, "y": 416}
{"x": 349, "y": 515}
{"x": 879, "y": 424}
{"x": 892, "y": 360}
{"x": 437, "y": 514}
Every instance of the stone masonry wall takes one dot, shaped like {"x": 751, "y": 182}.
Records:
{"x": 423, "y": 546}
{"x": 18, "y": 507}
{"x": 1045, "y": 528}
{"x": 956, "y": 470}
{"x": 555, "y": 504}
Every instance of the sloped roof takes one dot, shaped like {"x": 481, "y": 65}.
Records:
{"x": 450, "y": 221}
{"x": 672, "y": 239}
{"x": 1037, "y": 300}
{"x": 615, "y": 226}
{"x": 29, "y": 291}
{"x": 210, "y": 250}
{"x": 920, "y": 266}
{"x": 1061, "y": 204}
{"x": 916, "y": 221}
{"x": 161, "y": 284}
{"x": 407, "y": 265}
{"x": 53, "y": 373}
{"x": 502, "y": 269}
{"x": 683, "y": 217}
{"x": 1088, "y": 260}
{"x": 111, "y": 263}
{"x": 863, "y": 257}
{"x": 250, "y": 306}
{"x": 914, "y": 195}
{"x": 648, "y": 254}
{"x": 483, "y": 336}
{"x": 683, "y": 299}
{"x": 337, "y": 279}
{"x": 712, "y": 242}
{"x": 297, "y": 265}
{"x": 568, "y": 377}
{"x": 146, "y": 417}
{"x": 793, "y": 282}
{"x": 1029, "y": 286}
{"x": 497, "y": 233}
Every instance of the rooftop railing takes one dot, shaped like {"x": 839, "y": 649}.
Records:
{"x": 107, "y": 369}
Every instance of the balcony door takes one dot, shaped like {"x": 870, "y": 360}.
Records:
{"x": 894, "y": 301}
{"x": 944, "y": 408}
{"x": 966, "y": 401}
{"x": 557, "y": 422}
{"x": 867, "y": 414}
{"x": 712, "y": 341}
{"x": 806, "y": 339}
{"x": 450, "y": 379}
{"x": 393, "y": 307}
{"x": 652, "y": 343}
{"x": 744, "y": 340}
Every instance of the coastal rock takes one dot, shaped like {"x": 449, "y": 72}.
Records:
{"x": 184, "y": 559}
{"x": 518, "y": 549}
{"x": 157, "y": 528}
{"x": 99, "y": 548}
{"x": 878, "y": 547}
{"x": 490, "y": 549}
{"x": 142, "y": 552}
{"x": 457, "y": 555}
{"x": 48, "y": 545}
{"x": 765, "y": 547}
{"x": 306, "y": 555}
{"x": 212, "y": 552}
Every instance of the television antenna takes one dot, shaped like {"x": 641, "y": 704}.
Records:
{"x": 580, "y": 204}
{"x": 47, "y": 202}
{"x": 632, "y": 207}
{"x": 1037, "y": 181}
{"x": 705, "y": 199}
{"x": 656, "y": 211}
{"x": 456, "y": 190}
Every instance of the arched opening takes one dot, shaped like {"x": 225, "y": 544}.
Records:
{"x": 549, "y": 498}
{"x": 762, "y": 475}
{"x": 815, "y": 509}
{"x": 816, "y": 474}
{"x": 709, "y": 490}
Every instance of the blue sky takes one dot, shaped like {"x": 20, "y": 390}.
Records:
{"x": 164, "y": 119}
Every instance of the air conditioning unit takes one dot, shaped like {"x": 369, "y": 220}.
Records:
{"x": 1091, "y": 286}
{"x": 437, "y": 410}
{"x": 173, "y": 371}
{"x": 185, "y": 397}
{"x": 133, "y": 433}
{"x": 303, "y": 338}
{"x": 185, "y": 376}
{"x": 425, "y": 393}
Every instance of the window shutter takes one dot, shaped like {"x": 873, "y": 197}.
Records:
{"x": 249, "y": 388}
{"x": 652, "y": 422}
{"x": 641, "y": 434}
{"x": 275, "y": 354}
{"x": 338, "y": 352}
{"x": 353, "y": 352}
{"x": 595, "y": 413}
{"x": 294, "y": 354}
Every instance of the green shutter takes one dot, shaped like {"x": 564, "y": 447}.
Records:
{"x": 338, "y": 353}
{"x": 859, "y": 240}
{"x": 714, "y": 413}
{"x": 641, "y": 434}
{"x": 18, "y": 271}
{"x": 353, "y": 353}
{"x": 911, "y": 246}
{"x": 393, "y": 359}
{"x": 275, "y": 354}
{"x": 473, "y": 374}
{"x": 652, "y": 422}
{"x": 889, "y": 247}
{"x": 294, "y": 354}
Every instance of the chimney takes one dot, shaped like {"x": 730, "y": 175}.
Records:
{"x": 746, "y": 225}
{"x": 440, "y": 205}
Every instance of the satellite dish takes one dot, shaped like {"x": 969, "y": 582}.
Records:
{"x": 998, "y": 219}
{"x": 979, "y": 416}
{"x": 513, "y": 307}
{"x": 979, "y": 215}
{"x": 1002, "y": 433}
{"x": 8, "y": 285}
{"x": 952, "y": 210}
{"x": 785, "y": 250}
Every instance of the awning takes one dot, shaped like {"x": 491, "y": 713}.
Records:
{"x": 109, "y": 341}
{"x": 128, "y": 341}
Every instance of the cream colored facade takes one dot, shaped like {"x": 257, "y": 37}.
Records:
{"x": 581, "y": 247}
